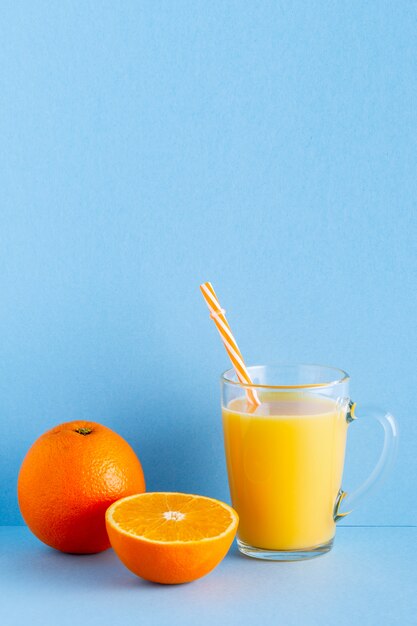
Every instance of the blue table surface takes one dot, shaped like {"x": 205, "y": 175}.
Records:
{"x": 368, "y": 578}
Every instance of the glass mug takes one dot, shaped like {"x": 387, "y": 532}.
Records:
{"x": 285, "y": 457}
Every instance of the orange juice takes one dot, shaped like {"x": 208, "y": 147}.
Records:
{"x": 285, "y": 464}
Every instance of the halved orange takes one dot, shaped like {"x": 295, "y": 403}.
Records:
{"x": 170, "y": 537}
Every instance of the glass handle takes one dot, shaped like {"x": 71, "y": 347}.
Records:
{"x": 349, "y": 501}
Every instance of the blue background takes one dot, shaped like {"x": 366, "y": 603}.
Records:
{"x": 148, "y": 146}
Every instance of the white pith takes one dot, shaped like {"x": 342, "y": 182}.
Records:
{"x": 175, "y": 516}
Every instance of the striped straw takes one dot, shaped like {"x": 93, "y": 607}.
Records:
{"x": 217, "y": 314}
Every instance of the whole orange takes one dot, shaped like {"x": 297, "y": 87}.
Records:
{"x": 67, "y": 480}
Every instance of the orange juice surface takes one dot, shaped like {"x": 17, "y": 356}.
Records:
{"x": 285, "y": 463}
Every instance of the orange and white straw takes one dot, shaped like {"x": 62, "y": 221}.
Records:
{"x": 217, "y": 314}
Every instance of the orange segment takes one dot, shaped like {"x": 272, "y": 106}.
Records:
{"x": 170, "y": 537}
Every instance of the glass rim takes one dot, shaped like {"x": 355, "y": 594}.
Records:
{"x": 342, "y": 377}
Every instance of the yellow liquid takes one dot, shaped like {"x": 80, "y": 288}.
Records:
{"x": 285, "y": 464}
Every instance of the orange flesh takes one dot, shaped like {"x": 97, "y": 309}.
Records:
{"x": 172, "y": 517}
